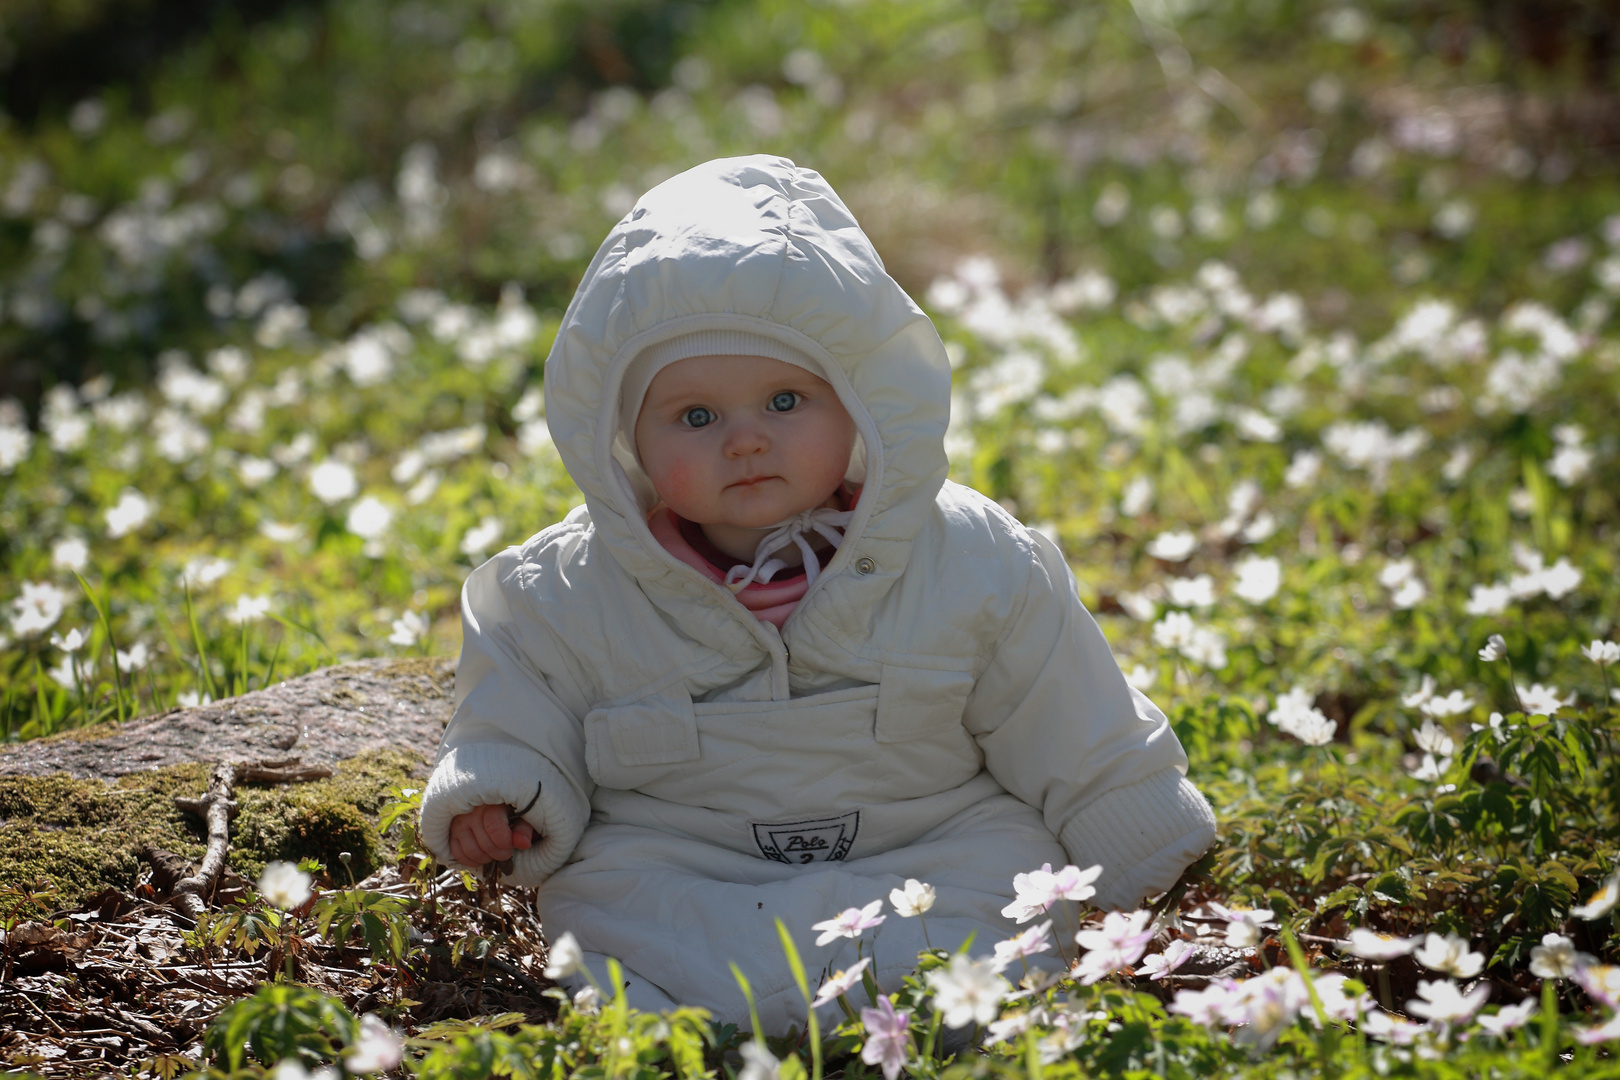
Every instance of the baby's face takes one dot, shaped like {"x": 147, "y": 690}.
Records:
{"x": 742, "y": 441}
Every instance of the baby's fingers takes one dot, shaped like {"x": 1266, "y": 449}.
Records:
{"x": 493, "y": 833}
{"x": 523, "y": 836}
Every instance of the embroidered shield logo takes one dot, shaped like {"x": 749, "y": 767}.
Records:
{"x": 820, "y": 840}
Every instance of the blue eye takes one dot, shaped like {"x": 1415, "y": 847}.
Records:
{"x": 698, "y": 416}
{"x": 783, "y": 401}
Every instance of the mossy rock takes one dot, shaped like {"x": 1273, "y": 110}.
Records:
{"x": 84, "y": 834}
{"x": 77, "y": 808}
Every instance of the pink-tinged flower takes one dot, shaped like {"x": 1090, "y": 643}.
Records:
{"x": 1161, "y": 965}
{"x": 1608, "y": 1032}
{"x": 1442, "y": 1000}
{"x": 378, "y": 1049}
{"x": 1039, "y": 889}
{"x": 1557, "y": 958}
{"x": 1119, "y": 944}
{"x": 849, "y": 923}
{"x": 1508, "y": 1018}
{"x": 1207, "y": 1006}
{"x": 967, "y": 991}
{"x": 888, "y": 1037}
{"x": 1266, "y": 1005}
{"x": 840, "y": 983}
{"x": 1392, "y": 1029}
{"x": 1602, "y": 982}
{"x": 1335, "y": 1002}
{"x": 1245, "y": 927}
{"x": 1449, "y": 955}
{"x": 1037, "y": 939}
{"x": 1371, "y": 945}
{"x": 1602, "y": 901}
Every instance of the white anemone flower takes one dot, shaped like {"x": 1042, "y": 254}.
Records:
{"x": 1602, "y": 982}
{"x": 849, "y": 923}
{"x": 1173, "y": 546}
{"x": 1038, "y": 890}
{"x": 1420, "y": 697}
{"x": 1449, "y": 955}
{"x": 285, "y": 886}
{"x": 1162, "y": 965}
{"x": 1494, "y": 650}
{"x": 1119, "y": 944}
{"x": 1259, "y": 577}
{"x": 1206, "y": 1007}
{"x": 1602, "y": 901}
{"x": 1539, "y": 700}
{"x": 1194, "y": 592}
{"x": 1432, "y": 739}
{"x": 70, "y": 553}
{"x": 916, "y": 898}
{"x": 1443, "y": 1001}
{"x": 1037, "y": 939}
{"x": 1557, "y": 958}
{"x": 1371, "y": 945}
{"x": 37, "y": 609}
{"x": 1245, "y": 927}
{"x": 1508, "y": 1018}
{"x": 132, "y": 511}
{"x": 1392, "y": 1029}
{"x": 1488, "y": 599}
{"x": 378, "y": 1049}
{"x": 72, "y": 642}
{"x": 135, "y": 659}
{"x": 1452, "y": 704}
{"x": 758, "y": 1062}
{"x": 967, "y": 991}
{"x": 408, "y": 629}
{"x": 333, "y": 482}
{"x": 478, "y": 539}
{"x": 564, "y": 958}
{"x": 370, "y": 518}
{"x": 1265, "y": 1006}
{"x": 840, "y": 983}
{"x": 248, "y": 609}
{"x": 1602, "y": 653}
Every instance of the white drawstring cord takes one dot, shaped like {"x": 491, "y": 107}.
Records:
{"x": 823, "y": 520}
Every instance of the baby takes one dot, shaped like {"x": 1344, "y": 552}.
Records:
{"x": 777, "y": 664}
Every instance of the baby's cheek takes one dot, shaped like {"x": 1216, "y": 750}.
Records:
{"x": 675, "y": 482}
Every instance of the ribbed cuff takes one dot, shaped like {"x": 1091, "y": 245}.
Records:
{"x": 1143, "y": 835}
{"x": 481, "y": 774}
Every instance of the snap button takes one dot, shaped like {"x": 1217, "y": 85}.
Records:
{"x": 865, "y": 566}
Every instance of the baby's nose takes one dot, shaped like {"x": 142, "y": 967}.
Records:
{"x": 746, "y": 438}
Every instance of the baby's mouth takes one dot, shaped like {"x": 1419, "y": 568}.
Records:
{"x": 751, "y": 481}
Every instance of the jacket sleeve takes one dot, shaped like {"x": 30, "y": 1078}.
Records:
{"x": 1062, "y": 730}
{"x": 511, "y": 735}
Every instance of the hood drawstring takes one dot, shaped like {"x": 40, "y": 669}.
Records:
{"x": 823, "y": 520}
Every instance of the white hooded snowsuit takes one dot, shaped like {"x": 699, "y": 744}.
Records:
{"x": 939, "y": 705}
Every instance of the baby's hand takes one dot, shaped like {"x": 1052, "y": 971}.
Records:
{"x": 482, "y": 835}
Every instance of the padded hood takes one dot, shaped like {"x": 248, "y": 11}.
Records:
{"x": 761, "y": 245}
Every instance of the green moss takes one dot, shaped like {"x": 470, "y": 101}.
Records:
{"x": 83, "y": 834}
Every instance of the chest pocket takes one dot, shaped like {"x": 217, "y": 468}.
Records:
{"x": 628, "y": 745}
{"x": 915, "y": 702}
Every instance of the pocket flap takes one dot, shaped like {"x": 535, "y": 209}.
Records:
{"x": 657, "y": 730}
{"x": 913, "y": 702}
